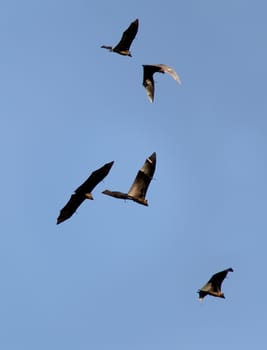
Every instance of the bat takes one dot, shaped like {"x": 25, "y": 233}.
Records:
{"x": 123, "y": 47}
{"x": 138, "y": 190}
{"x": 83, "y": 192}
{"x": 213, "y": 287}
{"x": 148, "y": 80}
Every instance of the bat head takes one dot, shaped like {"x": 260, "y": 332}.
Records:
{"x": 201, "y": 295}
{"x": 89, "y": 196}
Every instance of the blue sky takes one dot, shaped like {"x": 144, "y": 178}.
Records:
{"x": 119, "y": 275}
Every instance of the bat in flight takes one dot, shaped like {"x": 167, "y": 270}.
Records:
{"x": 148, "y": 80}
{"x": 83, "y": 192}
{"x": 123, "y": 47}
{"x": 213, "y": 287}
{"x": 138, "y": 190}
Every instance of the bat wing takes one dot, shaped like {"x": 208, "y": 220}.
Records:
{"x": 150, "y": 89}
{"x": 70, "y": 208}
{"x": 217, "y": 279}
{"x": 148, "y": 81}
{"x": 163, "y": 68}
{"x": 127, "y": 37}
{"x": 94, "y": 179}
{"x": 143, "y": 178}
{"x": 83, "y": 192}
{"x": 205, "y": 290}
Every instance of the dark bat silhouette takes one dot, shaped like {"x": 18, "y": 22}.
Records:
{"x": 123, "y": 47}
{"x": 213, "y": 287}
{"x": 83, "y": 192}
{"x": 148, "y": 81}
{"x": 140, "y": 185}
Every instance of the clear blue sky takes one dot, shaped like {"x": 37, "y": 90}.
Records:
{"x": 120, "y": 276}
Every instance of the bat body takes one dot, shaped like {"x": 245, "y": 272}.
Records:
{"x": 140, "y": 185}
{"x": 148, "y": 80}
{"x": 213, "y": 287}
{"x": 83, "y": 192}
{"x": 123, "y": 47}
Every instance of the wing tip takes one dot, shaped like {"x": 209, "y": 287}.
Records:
{"x": 153, "y": 156}
{"x": 109, "y": 165}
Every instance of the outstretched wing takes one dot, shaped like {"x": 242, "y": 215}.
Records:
{"x": 127, "y": 37}
{"x": 70, "y": 208}
{"x": 143, "y": 178}
{"x": 150, "y": 88}
{"x": 217, "y": 279}
{"x": 94, "y": 179}
{"x": 167, "y": 69}
{"x": 148, "y": 81}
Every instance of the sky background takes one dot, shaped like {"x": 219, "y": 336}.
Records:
{"x": 118, "y": 275}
